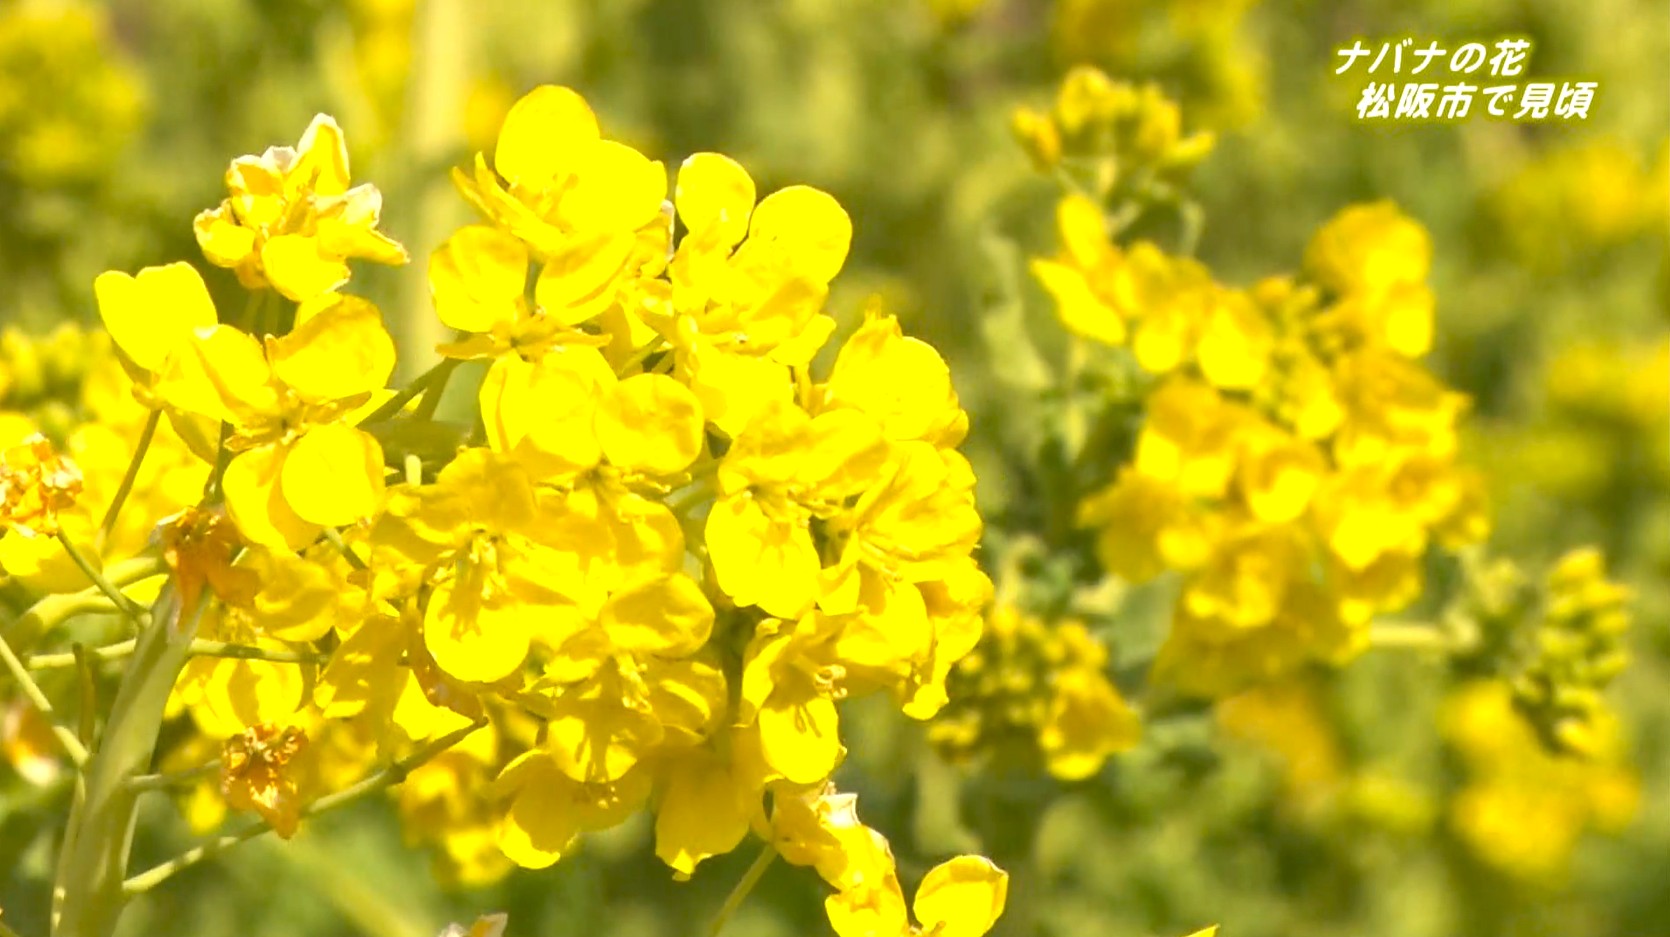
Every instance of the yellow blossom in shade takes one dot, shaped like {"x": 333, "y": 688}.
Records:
{"x": 440, "y": 802}
{"x": 546, "y": 810}
{"x": 27, "y": 744}
{"x": 708, "y": 804}
{"x": 1037, "y": 690}
{"x": 254, "y": 775}
{"x": 292, "y": 222}
{"x": 791, "y": 679}
{"x": 1294, "y": 459}
{"x": 36, "y": 483}
{"x": 743, "y": 302}
{"x": 299, "y": 465}
{"x": 1522, "y": 809}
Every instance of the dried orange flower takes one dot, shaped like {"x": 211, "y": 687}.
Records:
{"x": 199, "y": 544}
{"x": 35, "y": 484}
{"x": 252, "y": 774}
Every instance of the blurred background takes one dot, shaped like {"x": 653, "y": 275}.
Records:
{"x": 1325, "y": 809}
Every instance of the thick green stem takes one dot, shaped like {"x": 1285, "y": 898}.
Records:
{"x": 87, "y": 897}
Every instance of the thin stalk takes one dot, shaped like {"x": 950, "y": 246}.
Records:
{"x": 1406, "y": 635}
{"x": 58, "y": 661}
{"x": 129, "y": 607}
{"x": 419, "y": 385}
{"x": 206, "y": 648}
{"x": 173, "y": 779}
{"x": 32, "y": 691}
{"x": 744, "y": 885}
{"x": 335, "y": 538}
{"x": 386, "y": 778}
{"x": 128, "y": 478}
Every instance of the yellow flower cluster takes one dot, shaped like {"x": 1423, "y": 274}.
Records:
{"x": 1523, "y": 810}
{"x": 677, "y": 551}
{"x": 1578, "y": 650}
{"x": 1580, "y": 198}
{"x": 35, "y": 484}
{"x": 1094, "y": 118}
{"x": 68, "y": 99}
{"x": 1038, "y": 691}
{"x": 70, "y": 386}
{"x": 649, "y": 576}
{"x": 1295, "y": 461}
{"x": 1201, "y": 45}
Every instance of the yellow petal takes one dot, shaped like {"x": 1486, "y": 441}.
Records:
{"x": 541, "y": 821}
{"x": 809, "y": 225}
{"x": 1078, "y": 307}
{"x": 220, "y": 373}
{"x": 339, "y": 349}
{"x": 321, "y": 165}
{"x": 801, "y": 738}
{"x": 153, "y": 313}
{"x": 962, "y": 897}
{"x": 333, "y": 475}
{"x": 714, "y": 198}
{"x": 668, "y": 617}
{"x": 475, "y": 639}
{"x": 758, "y": 561}
{"x": 616, "y": 188}
{"x": 583, "y": 280}
{"x": 703, "y": 813}
{"x": 650, "y": 423}
{"x": 540, "y": 134}
{"x": 251, "y": 484}
{"x": 295, "y": 267}
{"x": 224, "y": 242}
{"x": 247, "y": 693}
{"x": 478, "y": 277}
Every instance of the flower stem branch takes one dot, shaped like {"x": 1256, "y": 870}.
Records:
{"x": 388, "y": 777}
{"x": 129, "y": 477}
{"x": 744, "y": 885}
{"x": 335, "y": 537}
{"x": 436, "y": 376}
{"x": 32, "y": 690}
{"x": 161, "y": 782}
{"x": 129, "y": 607}
{"x": 70, "y": 659}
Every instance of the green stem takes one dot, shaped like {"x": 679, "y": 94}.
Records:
{"x": 387, "y": 777}
{"x": 1407, "y": 635}
{"x": 744, "y": 885}
{"x": 160, "y": 782}
{"x": 56, "y": 661}
{"x": 32, "y": 690}
{"x": 128, "y": 606}
{"x": 53, "y": 610}
{"x": 335, "y": 538}
{"x": 87, "y": 897}
{"x": 206, "y": 648}
{"x": 128, "y": 478}
{"x": 395, "y": 404}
